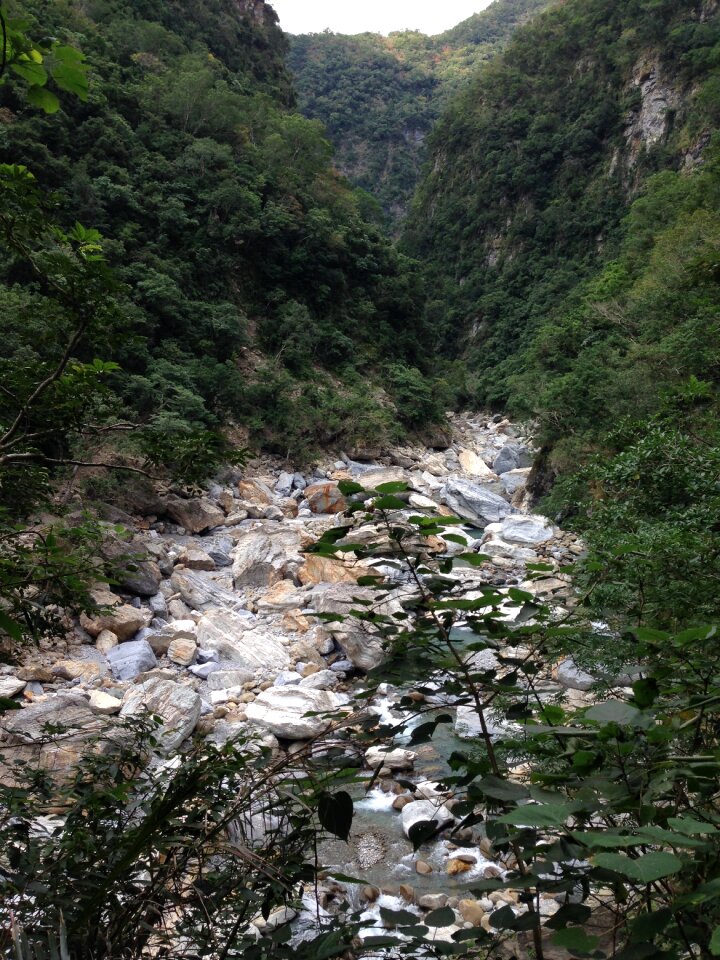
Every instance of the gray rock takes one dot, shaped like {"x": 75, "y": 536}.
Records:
{"x": 207, "y": 656}
{"x": 10, "y": 686}
{"x": 322, "y": 680}
{"x": 424, "y": 810}
{"x": 266, "y": 554}
{"x": 199, "y": 592}
{"x": 234, "y": 638}
{"x": 474, "y": 502}
{"x": 528, "y": 529}
{"x": 299, "y": 481}
{"x": 27, "y": 741}
{"x": 158, "y": 605}
{"x": 287, "y": 678}
{"x": 513, "y": 456}
{"x": 284, "y": 485}
{"x": 220, "y": 679}
{"x": 221, "y": 559}
{"x": 342, "y": 666}
{"x": 514, "y": 480}
{"x": 177, "y": 705}
{"x": 572, "y": 677}
{"x": 283, "y": 711}
{"x": 363, "y": 647}
{"x": 129, "y": 660}
{"x": 196, "y": 516}
{"x": 203, "y": 670}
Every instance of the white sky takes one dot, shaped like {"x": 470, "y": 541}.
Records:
{"x": 376, "y": 16}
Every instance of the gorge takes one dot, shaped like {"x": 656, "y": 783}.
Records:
{"x": 359, "y": 484}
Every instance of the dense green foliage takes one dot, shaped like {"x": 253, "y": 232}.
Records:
{"x": 533, "y": 167}
{"x": 570, "y": 221}
{"x": 245, "y": 266}
{"x": 379, "y": 97}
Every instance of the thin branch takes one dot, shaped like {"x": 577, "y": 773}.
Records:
{"x": 39, "y": 458}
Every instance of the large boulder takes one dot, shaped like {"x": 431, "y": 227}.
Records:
{"x": 513, "y": 456}
{"x": 122, "y": 619}
{"x": 284, "y": 595}
{"x": 514, "y": 480}
{"x": 474, "y": 502}
{"x": 325, "y": 498}
{"x": 360, "y": 642}
{"x": 134, "y": 571}
{"x": 265, "y": 555}
{"x": 50, "y": 735}
{"x": 178, "y": 706}
{"x": 196, "y": 516}
{"x": 497, "y": 547}
{"x": 528, "y": 529}
{"x": 238, "y": 641}
{"x": 573, "y": 677}
{"x": 425, "y": 811}
{"x": 282, "y": 711}
{"x": 317, "y": 569}
{"x": 129, "y": 660}
{"x": 475, "y": 466}
{"x": 200, "y": 592}
{"x": 372, "y": 479}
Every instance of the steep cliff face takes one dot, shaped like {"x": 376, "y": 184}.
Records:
{"x": 533, "y": 167}
{"x": 379, "y": 97}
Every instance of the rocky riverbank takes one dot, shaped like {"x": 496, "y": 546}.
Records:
{"x": 215, "y": 629}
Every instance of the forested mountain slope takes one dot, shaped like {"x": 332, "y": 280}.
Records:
{"x": 569, "y": 222}
{"x": 380, "y": 96}
{"x": 534, "y": 167}
{"x": 253, "y": 291}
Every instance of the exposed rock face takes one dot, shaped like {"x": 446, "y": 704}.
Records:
{"x": 196, "y": 516}
{"x": 177, "y": 705}
{"x": 474, "y": 502}
{"x": 235, "y": 640}
{"x": 650, "y": 125}
{"x": 573, "y": 677}
{"x": 24, "y": 737}
{"x": 281, "y": 710}
{"x": 318, "y": 570}
{"x": 200, "y": 592}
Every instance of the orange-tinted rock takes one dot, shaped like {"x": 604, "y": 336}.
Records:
{"x": 325, "y": 498}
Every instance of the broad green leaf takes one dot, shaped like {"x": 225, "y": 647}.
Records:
{"x": 389, "y": 503}
{"x": 606, "y": 840}
{"x": 647, "y": 926}
{"x": 689, "y": 826}
{"x": 43, "y": 99}
{"x": 395, "y": 486}
{"x": 575, "y": 940}
{"x": 30, "y": 71}
{"x": 646, "y": 869}
{"x": 10, "y": 626}
{"x": 539, "y": 815}
{"x": 348, "y": 487}
{"x": 443, "y": 917}
{"x": 715, "y": 942}
{"x": 499, "y": 789}
{"x": 614, "y": 711}
{"x": 422, "y": 831}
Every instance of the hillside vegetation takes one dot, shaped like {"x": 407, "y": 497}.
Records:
{"x": 568, "y": 221}
{"x": 252, "y": 289}
{"x": 379, "y": 97}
